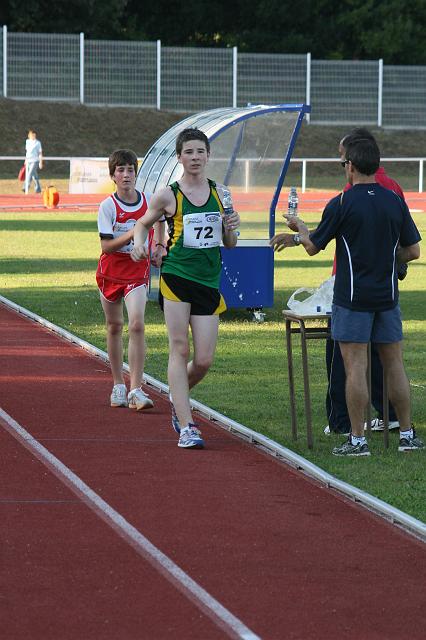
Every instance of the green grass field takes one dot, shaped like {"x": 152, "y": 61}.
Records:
{"x": 48, "y": 262}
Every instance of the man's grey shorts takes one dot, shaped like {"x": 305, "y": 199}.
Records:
{"x": 365, "y": 326}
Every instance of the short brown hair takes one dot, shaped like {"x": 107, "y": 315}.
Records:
{"x": 364, "y": 154}
{"x": 191, "y": 134}
{"x": 121, "y": 157}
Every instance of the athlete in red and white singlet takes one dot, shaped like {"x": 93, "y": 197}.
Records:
{"x": 115, "y": 219}
{"x": 120, "y": 279}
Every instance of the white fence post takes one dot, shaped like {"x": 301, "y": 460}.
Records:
{"x": 4, "y": 61}
{"x": 82, "y": 68}
{"x": 158, "y": 74}
{"x": 308, "y": 84}
{"x": 421, "y": 176}
{"x": 234, "y": 76}
{"x": 380, "y": 95}
{"x": 304, "y": 163}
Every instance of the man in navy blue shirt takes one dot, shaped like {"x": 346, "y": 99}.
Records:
{"x": 336, "y": 409}
{"x": 374, "y": 232}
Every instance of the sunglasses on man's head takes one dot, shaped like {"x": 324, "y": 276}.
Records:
{"x": 344, "y": 162}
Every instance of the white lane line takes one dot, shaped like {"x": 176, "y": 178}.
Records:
{"x": 233, "y": 627}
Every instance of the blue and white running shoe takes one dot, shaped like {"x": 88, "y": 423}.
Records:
{"x": 190, "y": 438}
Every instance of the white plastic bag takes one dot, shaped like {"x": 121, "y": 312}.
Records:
{"x": 318, "y": 301}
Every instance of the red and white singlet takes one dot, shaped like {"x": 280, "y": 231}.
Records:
{"x": 115, "y": 218}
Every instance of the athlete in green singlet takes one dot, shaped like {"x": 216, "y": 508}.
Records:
{"x": 190, "y": 273}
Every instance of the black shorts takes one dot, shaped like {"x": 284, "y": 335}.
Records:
{"x": 204, "y": 301}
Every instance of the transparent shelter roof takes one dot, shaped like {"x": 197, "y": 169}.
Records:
{"x": 250, "y": 151}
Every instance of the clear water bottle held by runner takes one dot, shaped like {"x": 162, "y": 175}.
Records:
{"x": 227, "y": 204}
{"x": 293, "y": 202}
{"x": 228, "y": 207}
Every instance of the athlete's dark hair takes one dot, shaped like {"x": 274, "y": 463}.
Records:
{"x": 364, "y": 154}
{"x": 120, "y": 157}
{"x": 191, "y": 134}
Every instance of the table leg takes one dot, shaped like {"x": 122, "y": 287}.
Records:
{"x": 306, "y": 387}
{"x": 291, "y": 379}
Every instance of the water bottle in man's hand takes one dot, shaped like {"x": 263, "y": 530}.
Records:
{"x": 293, "y": 202}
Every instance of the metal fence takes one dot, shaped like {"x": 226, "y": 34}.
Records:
{"x": 37, "y": 66}
{"x": 305, "y": 173}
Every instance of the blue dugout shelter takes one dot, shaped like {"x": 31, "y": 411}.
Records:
{"x": 251, "y": 149}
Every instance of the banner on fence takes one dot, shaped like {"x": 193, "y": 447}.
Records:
{"x": 89, "y": 176}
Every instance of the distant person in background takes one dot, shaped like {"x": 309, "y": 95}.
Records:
{"x": 337, "y": 411}
{"x": 33, "y": 161}
{"x": 120, "y": 278}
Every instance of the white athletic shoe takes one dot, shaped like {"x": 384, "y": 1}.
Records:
{"x": 376, "y": 425}
{"x": 379, "y": 425}
{"x": 328, "y": 432}
{"x": 119, "y": 396}
{"x": 138, "y": 400}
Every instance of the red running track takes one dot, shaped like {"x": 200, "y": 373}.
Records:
{"x": 34, "y": 202}
{"x": 279, "y": 552}
{"x": 260, "y": 200}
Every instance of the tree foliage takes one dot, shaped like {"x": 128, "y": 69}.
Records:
{"x": 96, "y": 18}
{"x": 350, "y": 29}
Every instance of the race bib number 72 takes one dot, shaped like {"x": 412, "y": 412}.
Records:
{"x": 202, "y": 230}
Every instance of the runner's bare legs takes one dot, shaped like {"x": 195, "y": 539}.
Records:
{"x": 183, "y": 375}
{"x": 135, "y": 304}
{"x": 114, "y": 323}
{"x": 176, "y": 315}
{"x": 204, "y": 337}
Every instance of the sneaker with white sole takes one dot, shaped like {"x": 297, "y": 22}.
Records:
{"x": 377, "y": 424}
{"x": 411, "y": 444}
{"x": 349, "y": 449}
{"x": 119, "y": 396}
{"x": 138, "y": 400}
{"x": 190, "y": 438}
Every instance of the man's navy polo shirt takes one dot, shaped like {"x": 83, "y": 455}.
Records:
{"x": 368, "y": 222}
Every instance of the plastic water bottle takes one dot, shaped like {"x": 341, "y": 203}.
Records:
{"x": 227, "y": 204}
{"x": 293, "y": 202}
{"x": 228, "y": 207}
